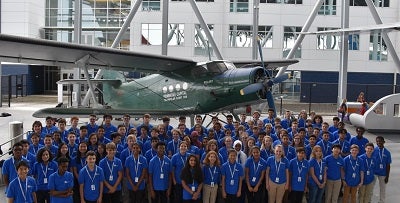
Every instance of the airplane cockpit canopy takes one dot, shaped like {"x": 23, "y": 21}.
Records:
{"x": 212, "y": 68}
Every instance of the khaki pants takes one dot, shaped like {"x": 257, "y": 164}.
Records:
{"x": 276, "y": 192}
{"x": 332, "y": 190}
{"x": 210, "y": 193}
{"x": 350, "y": 191}
{"x": 382, "y": 188}
{"x": 365, "y": 192}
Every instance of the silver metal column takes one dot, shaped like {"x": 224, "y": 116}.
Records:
{"x": 164, "y": 45}
{"x": 256, "y": 10}
{"x": 344, "y": 53}
{"x": 77, "y": 40}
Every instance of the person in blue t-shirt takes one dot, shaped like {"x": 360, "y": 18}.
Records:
{"x": 23, "y": 188}
{"x": 277, "y": 175}
{"x": 298, "y": 173}
{"x": 61, "y": 183}
{"x": 369, "y": 162}
{"x": 160, "y": 178}
{"x": 136, "y": 169}
{"x": 335, "y": 173}
{"x": 9, "y": 169}
{"x": 43, "y": 168}
{"x": 90, "y": 180}
{"x": 113, "y": 171}
{"x": 178, "y": 162}
{"x": 359, "y": 140}
{"x": 192, "y": 180}
{"x": 254, "y": 175}
{"x": 232, "y": 176}
{"x": 212, "y": 176}
{"x": 317, "y": 175}
{"x": 353, "y": 174}
{"x": 384, "y": 159}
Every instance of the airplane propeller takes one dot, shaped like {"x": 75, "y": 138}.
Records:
{"x": 264, "y": 84}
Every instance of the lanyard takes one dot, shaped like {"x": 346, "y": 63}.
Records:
{"x": 110, "y": 168}
{"x": 94, "y": 176}
{"x": 254, "y": 165}
{"x": 212, "y": 174}
{"x": 381, "y": 155}
{"x": 45, "y": 171}
{"x": 368, "y": 165}
{"x": 136, "y": 163}
{"x": 175, "y": 147}
{"x": 277, "y": 167}
{"x": 300, "y": 169}
{"x": 183, "y": 161}
{"x": 161, "y": 164}
{"x": 320, "y": 167}
{"x": 230, "y": 170}
{"x": 351, "y": 163}
{"x": 83, "y": 161}
{"x": 24, "y": 192}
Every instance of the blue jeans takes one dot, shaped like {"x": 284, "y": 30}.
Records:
{"x": 315, "y": 194}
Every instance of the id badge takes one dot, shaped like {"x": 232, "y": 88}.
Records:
{"x": 368, "y": 172}
{"x": 381, "y": 166}
{"x": 277, "y": 179}
{"x": 298, "y": 179}
{"x": 111, "y": 178}
{"x": 162, "y": 176}
{"x": 212, "y": 184}
{"x": 193, "y": 188}
{"x": 353, "y": 175}
{"x": 320, "y": 177}
{"x": 254, "y": 179}
{"x": 232, "y": 182}
{"x": 93, "y": 187}
{"x": 136, "y": 179}
{"x": 45, "y": 180}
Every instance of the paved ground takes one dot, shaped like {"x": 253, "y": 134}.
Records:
{"x": 22, "y": 108}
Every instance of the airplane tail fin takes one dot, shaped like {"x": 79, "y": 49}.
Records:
{"x": 109, "y": 89}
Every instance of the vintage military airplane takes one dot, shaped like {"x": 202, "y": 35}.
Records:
{"x": 175, "y": 87}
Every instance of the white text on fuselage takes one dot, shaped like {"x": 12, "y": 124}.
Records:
{"x": 173, "y": 96}
{"x": 175, "y": 92}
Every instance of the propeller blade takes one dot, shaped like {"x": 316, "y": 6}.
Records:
{"x": 270, "y": 100}
{"x": 278, "y": 79}
{"x": 251, "y": 88}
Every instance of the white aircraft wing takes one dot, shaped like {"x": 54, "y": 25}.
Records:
{"x": 368, "y": 28}
{"x": 46, "y": 52}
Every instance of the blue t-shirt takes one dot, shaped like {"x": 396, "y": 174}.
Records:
{"x": 369, "y": 165}
{"x": 91, "y": 182}
{"x": 277, "y": 170}
{"x": 334, "y": 167}
{"x": 255, "y": 169}
{"x": 10, "y": 170}
{"x": 25, "y": 195}
{"x": 319, "y": 169}
{"x": 344, "y": 144}
{"x": 232, "y": 173}
{"x": 326, "y": 147}
{"x": 159, "y": 170}
{"x": 290, "y": 152}
{"x": 212, "y": 174}
{"x": 172, "y": 146}
{"x": 42, "y": 174}
{"x": 383, "y": 158}
{"x": 136, "y": 167}
{"x": 178, "y": 161}
{"x": 352, "y": 170}
{"x": 299, "y": 171}
{"x": 61, "y": 183}
{"x": 111, "y": 169}
{"x": 360, "y": 142}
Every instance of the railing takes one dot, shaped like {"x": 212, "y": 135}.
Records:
{"x": 18, "y": 137}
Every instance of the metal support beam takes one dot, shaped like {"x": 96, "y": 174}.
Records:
{"x": 77, "y": 40}
{"x": 82, "y": 63}
{"x": 385, "y": 36}
{"x": 256, "y": 10}
{"x": 117, "y": 40}
{"x": 305, "y": 28}
{"x": 164, "y": 29}
{"x": 344, "y": 52}
{"x": 205, "y": 28}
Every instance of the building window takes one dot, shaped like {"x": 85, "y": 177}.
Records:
{"x": 354, "y": 42}
{"x": 242, "y": 36}
{"x": 150, "y": 5}
{"x": 239, "y": 6}
{"x": 378, "y": 3}
{"x": 328, "y": 8}
{"x": 377, "y": 47}
{"x": 327, "y": 41}
{"x": 201, "y": 44}
{"x": 290, "y": 35}
{"x": 283, "y": 1}
{"x": 152, "y": 34}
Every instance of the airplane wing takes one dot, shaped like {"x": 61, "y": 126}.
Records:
{"x": 389, "y": 26}
{"x": 269, "y": 64}
{"x": 47, "y": 52}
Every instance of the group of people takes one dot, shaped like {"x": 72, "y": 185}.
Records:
{"x": 259, "y": 160}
